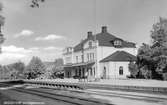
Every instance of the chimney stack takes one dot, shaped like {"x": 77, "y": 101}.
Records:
{"x": 89, "y": 34}
{"x": 104, "y": 29}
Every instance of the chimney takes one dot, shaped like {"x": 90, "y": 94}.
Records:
{"x": 104, "y": 29}
{"x": 89, "y": 34}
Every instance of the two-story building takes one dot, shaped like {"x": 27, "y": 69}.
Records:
{"x": 101, "y": 55}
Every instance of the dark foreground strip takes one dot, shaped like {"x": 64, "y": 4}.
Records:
{"x": 13, "y": 81}
{"x": 141, "y": 98}
{"x": 63, "y": 98}
{"x": 134, "y": 97}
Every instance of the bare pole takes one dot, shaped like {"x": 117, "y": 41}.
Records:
{"x": 95, "y": 38}
{"x": 0, "y": 29}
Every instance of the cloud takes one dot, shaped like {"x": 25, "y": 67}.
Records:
{"x": 50, "y": 37}
{"x": 14, "y": 49}
{"x": 53, "y": 48}
{"x": 24, "y": 33}
{"x": 34, "y": 48}
{"x": 12, "y": 54}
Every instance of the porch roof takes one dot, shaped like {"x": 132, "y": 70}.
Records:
{"x": 79, "y": 64}
{"x": 83, "y": 64}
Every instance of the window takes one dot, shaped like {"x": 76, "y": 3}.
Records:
{"x": 90, "y": 44}
{"x": 68, "y": 59}
{"x": 121, "y": 70}
{"x": 88, "y": 56}
{"x": 94, "y": 71}
{"x": 91, "y": 72}
{"x": 93, "y": 56}
{"x": 68, "y": 50}
{"x": 117, "y": 43}
{"x": 76, "y": 59}
{"x": 82, "y": 57}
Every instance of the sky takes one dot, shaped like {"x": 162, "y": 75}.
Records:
{"x": 46, "y": 31}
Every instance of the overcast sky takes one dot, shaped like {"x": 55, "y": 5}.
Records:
{"x": 45, "y": 31}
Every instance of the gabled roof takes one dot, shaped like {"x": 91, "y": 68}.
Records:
{"x": 104, "y": 39}
{"x": 119, "y": 56}
{"x": 79, "y": 46}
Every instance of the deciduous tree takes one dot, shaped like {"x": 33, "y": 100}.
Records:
{"x": 35, "y": 68}
{"x": 133, "y": 69}
{"x": 152, "y": 59}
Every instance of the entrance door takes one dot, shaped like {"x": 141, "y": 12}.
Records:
{"x": 68, "y": 74}
{"x": 121, "y": 70}
{"x": 83, "y": 72}
{"x": 104, "y": 73}
{"x": 80, "y": 72}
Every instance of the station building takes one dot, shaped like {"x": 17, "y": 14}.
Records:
{"x": 100, "y": 55}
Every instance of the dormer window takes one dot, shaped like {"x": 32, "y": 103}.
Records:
{"x": 117, "y": 43}
{"x": 68, "y": 49}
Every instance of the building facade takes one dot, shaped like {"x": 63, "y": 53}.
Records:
{"x": 86, "y": 58}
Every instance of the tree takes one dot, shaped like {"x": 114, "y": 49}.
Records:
{"x": 58, "y": 69}
{"x": 6, "y": 72}
{"x": 35, "y": 3}
{"x": 152, "y": 59}
{"x": 133, "y": 69}
{"x": 19, "y": 67}
{"x": 1, "y": 72}
{"x": 35, "y": 68}
{"x": 47, "y": 74}
{"x": 53, "y": 69}
{"x": 159, "y": 46}
{"x": 145, "y": 61}
{"x": 2, "y": 19}
{"x": 58, "y": 62}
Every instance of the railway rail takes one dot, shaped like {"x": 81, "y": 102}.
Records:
{"x": 121, "y": 95}
{"x": 61, "y": 97}
{"x": 75, "y": 100}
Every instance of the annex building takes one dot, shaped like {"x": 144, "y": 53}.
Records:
{"x": 100, "y": 55}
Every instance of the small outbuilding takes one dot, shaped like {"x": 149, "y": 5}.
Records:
{"x": 116, "y": 65}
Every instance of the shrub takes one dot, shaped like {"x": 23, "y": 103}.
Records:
{"x": 164, "y": 76}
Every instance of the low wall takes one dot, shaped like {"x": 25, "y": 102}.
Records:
{"x": 85, "y": 85}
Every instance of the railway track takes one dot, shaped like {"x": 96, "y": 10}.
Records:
{"x": 93, "y": 102}
{"x": 61, "y": 97}
{"x": 121, "y": 95}
{"x": 48, "y": 93}
{"x": 130, "y": 96}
